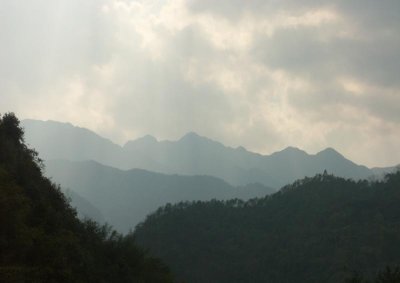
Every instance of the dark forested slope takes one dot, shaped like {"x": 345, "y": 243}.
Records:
{"x": 318, "y": 229}
{"x": 42, "y": 240}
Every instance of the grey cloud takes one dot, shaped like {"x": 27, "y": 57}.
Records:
{"x": 298, "y": 51}
{"x": 383, "y": 106}
{"x": 322, "y": 59}
{"x": 154, "y": 94}
{"x": 378, "y": 14}
{"x": 373, "y": 16}
{"x": 235, "y": 9}
{"x": 327, "y": 102}
{"x": 372, "y": 61}
{"x": 45, "y": 40}
{"x": 304, "y": 52}
{"x": 47, "y": 45}
{"x": 369, "y": 52}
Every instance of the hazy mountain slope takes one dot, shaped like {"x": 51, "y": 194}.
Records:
{"x": 190, "y": 155}
{"x": 126, "y": 197}
{"x": 193, "y": 154}
{"x": 291, "y": 164}
{"x": 381, "y": 171}
{"x": 56, "y": 140}
{"x": 84, "y": 208}
{"x": 318, "y": 229}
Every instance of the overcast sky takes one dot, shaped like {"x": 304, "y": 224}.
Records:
{"x": 264, "y": 74}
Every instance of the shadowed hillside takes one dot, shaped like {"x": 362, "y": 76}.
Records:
{"x": 126, "y": 197}
{"x": 42, "y": 240}
{"x": 318, "y": 229}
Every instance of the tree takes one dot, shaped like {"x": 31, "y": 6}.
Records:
{"x": 41, "y": 238}
{"x": 9, "y": 127}
{"x": 389, "y": 275}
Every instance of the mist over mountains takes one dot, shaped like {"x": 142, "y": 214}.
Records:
{"x": 190, "y": 155}
{"x": 85, "y": 209}
{"x": 125, "y": 198}
{"x": 199, "y": 141}
{"x": 316, "y": 229}
{"x": 123, "y": 184}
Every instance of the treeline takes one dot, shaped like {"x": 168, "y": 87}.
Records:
{"x": 388, "y": 275}
{"x": 42, "y": 240}
{"x": 319, "y": 229}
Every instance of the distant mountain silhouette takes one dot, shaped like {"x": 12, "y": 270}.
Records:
{"x": 190, "y": 155}
{"x": 381, "y": 171}
{"x": 126, "y": 197}
{"x": 55, "y": 140}
{"x": 85, "y": 209}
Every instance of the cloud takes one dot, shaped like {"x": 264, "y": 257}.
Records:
{"x": 262, "y": 74}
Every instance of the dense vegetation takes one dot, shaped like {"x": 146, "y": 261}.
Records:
{"x": 387, "y": 275}
{"x": 41, "y": 239}
{"x": 318, "y": 229}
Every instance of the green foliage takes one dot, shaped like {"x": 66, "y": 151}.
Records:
{"x": 42, "y": 240}
{"x": 316, "y": 230}
{"x": 356, "y": 278}
{"x": 388, "y": 275}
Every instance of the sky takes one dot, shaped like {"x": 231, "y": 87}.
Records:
{"x": 264, "y": 74}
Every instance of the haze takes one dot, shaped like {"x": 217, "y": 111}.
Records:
{"x": 261, "y": 74}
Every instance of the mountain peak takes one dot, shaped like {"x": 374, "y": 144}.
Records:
{"x": 147, "y": 139}
{"x": 193, "y": 137}
{"x": 329, "y": 151}
{"x": 31, "y": 122}
{"x": 190, "y": 135}
{"x": 290, "y": 150}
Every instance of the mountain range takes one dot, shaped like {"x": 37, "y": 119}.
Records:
{"x": 190, "y": 155}
{"x": 122, "y": 184}
{"x": 126, "y": 197}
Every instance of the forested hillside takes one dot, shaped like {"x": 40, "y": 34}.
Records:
{"x": 318, "y": 229}
{"x": 42, "y": 240}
